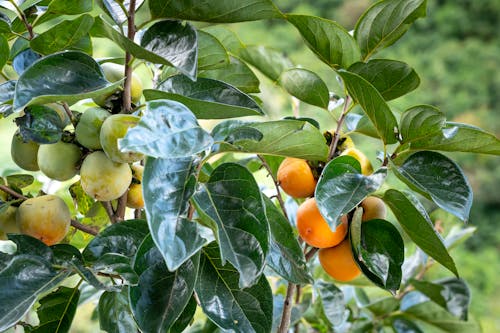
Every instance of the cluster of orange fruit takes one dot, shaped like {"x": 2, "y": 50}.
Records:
{"x": 296, "y": 178}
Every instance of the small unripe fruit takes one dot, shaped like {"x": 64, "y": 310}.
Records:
{"x": 373, "y": 208}
{"x": 24, "y": 154}
{"x": 59, "y": 160}
{"x": 296, "y": 178}
{"x": 8, "y": 223}
{"x": 114, "y": 128}
{"x": 115, "y": 72}
{"x": 135, "y": 199}
{"x": 366, "y": 166}
{"x": 89, "y": 127}
{"x": 46, "y": 217}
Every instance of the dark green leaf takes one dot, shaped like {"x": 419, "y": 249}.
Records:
{"x": 65, "y": 253}
{"x": 175, "y": 42}
{"x": 157, "y": 311}
{"x": 232, "y": 202}
{"x": 70, "y": 7}
{"x": 219, "y": 11}
{"x": 168, "y": 129}
{"x": 327, "y": 39}
{"x": 440, "y": 179}
{"x": 114, "y": 313}
{"x": 63, "y": 35}
{"x": 419, "y": 228}
{"x": 404, "y": 325}
{"x": 225, "y": 303}
{"x": 66, "y": 76}
{"x": 211, "y": 53}
{"x": 391, "y": 78}
{"x": 4, "y": 50}
{"x": 341, "y": 187}
{"x": 267, "y": 60}
{"x": 385, "y": 22}
{"x": 7, "y": 90}
{"x": 4, "y": 23}
{"x": 206, "y": 98}
{"x": 373, "y": 104}
{"x": 285, "y": 254}
{"x": 116, "y": 264}
{"x": 20, "y": 181}
{"x": 40, "y": 124}
{"x": 167, "y": 186}
{"x": 421, "y": 121}
{"x": 186, "y": 317}
{"x": 235, "y": 73}
{"x": 306, "y": 86}
{"x": 332, "y": 301}
{"x": 383, "y": 306}
{"x": 90, "y": 277}
{"x": 57, "y": 310}
{"x": 29, "y": 245}
{"x": 24, "y": 59}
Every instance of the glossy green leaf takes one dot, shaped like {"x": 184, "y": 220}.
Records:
{"x": 220, "y": 11}
{"x": 186, "y": 317}
{"x": 332, "y": 301}
{"x": 65, "y": 253}
{"x": 383, "y": 306}
{"x": 441, "y": 180}
{"x": 115, "y": 10}
{"x": 63, "y": 35}
{"x": 4, "y": 51}
{"x": 175, "y": 42}
{"x": 116, "y": 265}
{"x": 114, "y": 313}
{"x": 227, "y": 37}
{"x": 57, "y": 310}
{"x": 206, "y": 98}
{"x": 267, "y": 60}
{"x": 285, "y": 255}
{"x": 168, "y": 129}
{"x": 421, "y": 121}
{"x": 24, "y": 59}
{"x": 306, "y": 86}
{"x": 70, "y": 7}
{"x": 373, "y": 104}
{"x": 67, "y": 76}
{"x": 20, "y": 180}
{"x": 231, "y": 307}
{"x": 4, "y": 23}
{"x": 40, "y": 124}
{"x": 327, "y": 39}
{"x": 7, "y": 90}
{"x": 167, "y": 186}
{"x": 292, "y": 138}
{"x": 89, "y": 276}
{"x": 341, "y": 187}
{"x": 360, "y": 124}
{"x": 157, "y": 311}
{"x": 232, "y": 202}
{"x": 235, "y": 73}
{"x": 385, "y": 22}
{"x": 29, "y": 245}
{"x": 419, "y": 228}
{"x": 211, "y": 53}
{"x": 391, "y": 78}
{"x": 404, "y": 325}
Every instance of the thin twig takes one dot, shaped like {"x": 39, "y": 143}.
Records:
{"x": 23, "y": 18}
{"x": 85, "y": 228}
{"x": 276, "y": 185}
{"x": 298, "y": 294}
{"x": 109, "y": 210}
{"x": 311, "y": 253}
{"x": 336, "y": 136}
{"x": 120, "y": 208}
{"x": 287, "y": 309}
{"x": 10, "y": 191}
{"x": 68, "y": 112}
{"x": 127, "y": 98}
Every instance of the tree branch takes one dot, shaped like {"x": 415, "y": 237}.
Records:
{"x": 287, "y": 309}
{"x": 85, "y": 228}
{"x": 23, "y": 18}
{"x": 276, "y": 185}
{"x": 10, "y": 191}
{"x": 336, "y": 136}
{"x": 127, "y": 98}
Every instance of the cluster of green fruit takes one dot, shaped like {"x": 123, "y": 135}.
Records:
{"x": 90, "y": 150}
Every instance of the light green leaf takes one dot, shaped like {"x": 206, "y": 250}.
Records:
{"x": 114, "y": 313}
{"x": 236, "y": 73}
{"x": 421, "y": 121}
{"x": 267, "y": 60}
{"x": 306, "y": 86}
{"x": 211, "y": 53}
{"x": 57, "y": 310}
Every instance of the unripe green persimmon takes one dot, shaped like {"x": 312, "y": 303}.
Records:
{"x": 114, "y": 128}
{"x": 89, "y": 127}
{"x": 46, "y": 217}
{"x": 59, "y": 160}
{"x": 103, "y": 179}
{"x": 115, "y": 72}
{"x": 8, "y": 223}
{"x": 24, "y": 154}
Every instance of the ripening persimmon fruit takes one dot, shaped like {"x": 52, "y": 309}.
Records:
{"x": 314, "y": 229}
{"x": 88, "y": 129}
{"x": 59, "y": 160}
{"x": 338, "y": 262}
{"x": 373, "y": 208}
{"x": 135, "y": 198}
{"x": 24, "y": 154}
{"x": 114, "y": 128}
{"x": 296, "y": 178}
{"x": 366, "y": 166}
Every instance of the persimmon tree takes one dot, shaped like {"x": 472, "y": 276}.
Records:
{"x": 169, "y": 218}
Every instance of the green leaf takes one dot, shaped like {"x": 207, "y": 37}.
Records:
{"x": 175, "y": 42}
{"x": 232, "y": 202}
{"x": 29, "y": 245}
{"x": 168, "y": 129}
{"x": 383, "y": 306}
{"x": 391, "y": 78}
{"x": 332, "y": 302}
{"x": 186, "y": 317}
{"x": 211, "y": 53}
{"x": 7, "y": 90}
{"x": 285, "y": 255}
{"x": 306, "y": 86}
{"x": 4, "y": 23}
{"x": 419, "y": 228}
{"x": 327, "y": 39}
{"x": 70, "y": 7}
{"x": 63, "y": 35}
{"x": 341, "y": 187}
{"x": 360, "y": 124}
{"x": 373, "y": 104}
{"x": 114, "y": 313}
{"x": 57, "y": 310}
{"x": 238, "y": 309}
{"x": 20, "y": 180}
{"x": 439, "y": 179}
{"x": 206, "y": 98}
{"x": 460, "y": 137}
{"x": 268, "y": 61}
{"x": 292, "y": 138}
{"x": 421, "y": 121}
{"x": 157, "y": 311}
{"x": 117, "y": 265}
{"x": 24, "y": 59}
{"x": 40, "y": 124}
{"x": 4, "y": 51}
{"x": 235, "y": 73}
{"x": 82, "y": 200}
{"x": 167, "y": 186}
{"x": 115, "y": 10}
{"x": 228, "y": 11}
{"x": 404, "y": 325}
{"x": 67, "y": 76}
{"x": 385, "y": 22}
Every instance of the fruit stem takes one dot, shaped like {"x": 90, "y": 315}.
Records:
{"x": 336, "y": 136}
{"x": 69, "y": 113}
{"x": 311, "y": 253}
{"x": 276, "y": 184}
{"x": 85, "y": 228}
{"x": 287, "y": 309}
{"x": 127, "y": 98}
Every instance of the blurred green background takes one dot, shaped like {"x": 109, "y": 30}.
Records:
{"x": 456, "y": 52}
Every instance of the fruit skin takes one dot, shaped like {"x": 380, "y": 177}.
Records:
{"x": 115, "y": 72}
{"x": 373, "y": 208}
{"x": 59, "y": 160}
{"x": 24, "y": 154}
{"x": 296, "y": 178}
{"x": 366, "y": 166}
{"x": 89, "y": 127}
{"x": 8, "y": 223}
{"x": 46, "y": 217}
{"x": 339, "y": 263}
{"x": 135, "y": 198}
{"x": 314, "y": 229}
{"x": 103, "y": 179}
{"x": 114, "y": 128}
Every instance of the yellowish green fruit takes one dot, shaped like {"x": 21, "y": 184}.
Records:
{"x": 345, "y": 142}
{"x": 373, "y": 208}
{"x": 103, "y": 179}
{"x": 24, "y": 154}
{"x": 8, "y": 223}
{"x": 114, "y": 128}
{"x": 46, "y": 217}
{"x": 137, "y": 171}
{"x": 135, "y": 198}
{"x": 115, "y": 72}
{"x": 89, "y": 127}
{"x": 366, "y": 166}
{"x": 59, "y": 160}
